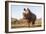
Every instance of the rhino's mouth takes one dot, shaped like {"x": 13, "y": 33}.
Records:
{"x": 26, "y": 12}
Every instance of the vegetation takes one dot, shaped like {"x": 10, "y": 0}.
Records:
{"x": 23, "y": 23}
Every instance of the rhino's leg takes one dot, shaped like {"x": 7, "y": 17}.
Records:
{"x": 33, "y": 22}
{"x": 28, "y": 23}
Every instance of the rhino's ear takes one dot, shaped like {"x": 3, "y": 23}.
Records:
{"x": 28, "y": 9}
{"x": 24, "y": 9}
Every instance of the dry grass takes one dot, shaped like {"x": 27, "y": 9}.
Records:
{"x": 23, "y": 23}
